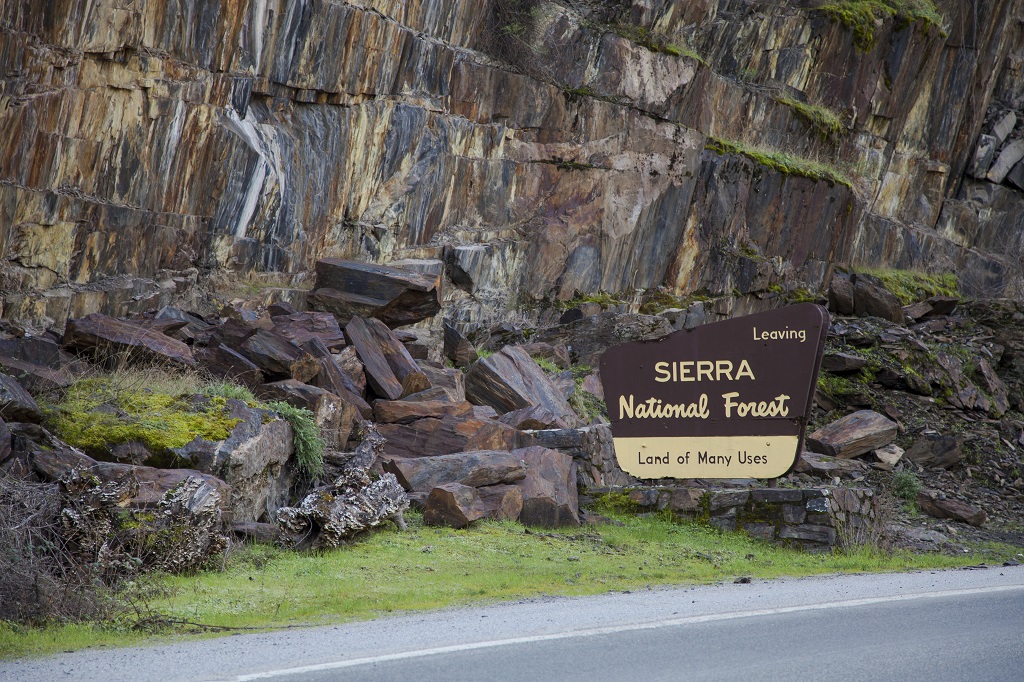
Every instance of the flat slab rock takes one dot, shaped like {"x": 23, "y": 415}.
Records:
{"x": 429, "y": 437}
{"x": 853, "y": 435}
{"x": 933, "y": 504}
{"x": 103, "y": 337}
{"x": 395, "y": 296}
{"x": 479, "y": 468}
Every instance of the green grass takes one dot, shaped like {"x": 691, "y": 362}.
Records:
{"x": 911, "y": 286}
{"x": 780, "y": 161}
{"x": 905, "y": 485}
{"x": 653, "y": 41}
{"x": 823, "y": 119}
{"x": 309, "y": 444}
{"x": 430, "y": 568}
{"x": 863, "y": 16}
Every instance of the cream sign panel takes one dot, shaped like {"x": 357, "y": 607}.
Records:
{"x": 726, "y": 400}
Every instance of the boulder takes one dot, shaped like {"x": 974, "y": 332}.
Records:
{"x": 407, "y": 411}
{"x": 941, "y": 507}
{"x": 390, "y": 371}
{"x": 429, "y": 437}
{"x": 871, "y": 298}
{"x": 253, "y": 460}
{"x": 36, "y": 350}
{"x": 451, "y": 380}
{"x": 457, "y": 347}
{"x": 1010, "y": 155}
{"x": 550, "y": 498}
{"x": 105, "y": 338}
{"x": 16, "y": 404}
{"x": 453, "y": 505}
{"x": 890, "y": 454}
{"x": 557, "y": 354}
{"x": 843, "y": 363}
{"x": 822, "y": 466}
{"x": 278, "y": 357}
{"x": 34, "y": 378}
{"x": 936, "y": 451}
{"x": 984, "y": 154}
{"x": 301, "y": 327}
{"x": 332, "y": 378}
{"x": 511, "y": 380}
{"x": 352, "y": 367}
{"x": 224, "y": 363}
{"x": 503, "y": 502}
{"x": 841, "y": 294}
{"x": 853, "y": 435}
{"x": 479, "y": 468}
{"x": 395, "y": 296}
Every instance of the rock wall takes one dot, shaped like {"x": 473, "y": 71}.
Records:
{"x": 548, "y": 147}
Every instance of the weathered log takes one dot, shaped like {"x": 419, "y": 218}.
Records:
{"x": 16, "y": 404}
{"x": 405, "y": 368}
{"x": 503, "y": 502}
{"x": 405, "y": 411}
{"x": 278, "y": 357}
{"x": 479, "y": 468}
{"x": 511, "y": 380}
{"x": 453, "y": 505}
{"x": 105, "y": 339}
{"x": 550, "y": 498}
{"x": 379, "y": 375}
{"x": 853, "y": 435}
{"x": 301, "y": 327}
{"x": 225, "y": 363}
{"x": 393, "y": 295}
{"x": 353, "y": 503}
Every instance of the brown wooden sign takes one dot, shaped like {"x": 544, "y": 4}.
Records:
{"x": 725, "y": 400}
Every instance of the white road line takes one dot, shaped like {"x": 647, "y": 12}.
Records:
{"x": 614, "y": 629}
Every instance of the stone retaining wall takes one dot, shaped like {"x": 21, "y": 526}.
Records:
{"x": 811, "y": 519}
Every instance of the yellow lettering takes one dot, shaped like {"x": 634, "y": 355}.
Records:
{"x": 723, "y": 367}
{"x": 661, "y": 369}
{"x": 684, "y": 370}
{"x": 705, "y": 368}
{"x": 744, "y": 370}
{"x": 625, "y": 408}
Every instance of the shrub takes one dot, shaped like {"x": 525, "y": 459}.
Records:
{"x": 309, "y": 444}
{"x": 905, "y": 485}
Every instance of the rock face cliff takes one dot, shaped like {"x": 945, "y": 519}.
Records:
{"x": 540, "y": 147}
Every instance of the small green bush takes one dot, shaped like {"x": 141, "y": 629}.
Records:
{"x": 309, "y": 444}
{"x": 905, "y": 485}
{"x": 826, "y": 121}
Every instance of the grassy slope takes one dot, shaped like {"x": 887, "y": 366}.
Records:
{"x": 427, "y": 568}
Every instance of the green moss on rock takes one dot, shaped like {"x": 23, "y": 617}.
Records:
{"x": 96, "y": 415}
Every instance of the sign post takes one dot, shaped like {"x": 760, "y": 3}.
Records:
{"x": 724, "y": 400}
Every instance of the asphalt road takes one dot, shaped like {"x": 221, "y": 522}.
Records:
{"x": 948, "y": 625}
